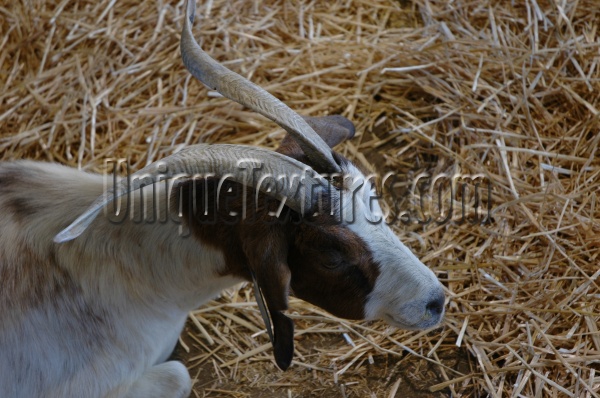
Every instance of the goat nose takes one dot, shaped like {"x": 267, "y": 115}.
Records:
{"x": 436, "y": 305}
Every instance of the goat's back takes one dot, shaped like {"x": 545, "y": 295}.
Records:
{"x": 74, "y": 319}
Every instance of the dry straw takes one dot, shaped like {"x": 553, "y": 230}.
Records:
{"x": 508, "y": 89}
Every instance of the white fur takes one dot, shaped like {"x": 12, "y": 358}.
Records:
{"x": 405, "y": 287}
{"x": 109, "y": 333}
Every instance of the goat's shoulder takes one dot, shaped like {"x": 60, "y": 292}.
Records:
{"x": 29, "y": 189}
{"x": 36, "y": 199}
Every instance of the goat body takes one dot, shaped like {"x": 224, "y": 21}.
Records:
{"x": 99, "y": 315}
{"x": 93, "y": 308}
{"x": 87, "y": 318}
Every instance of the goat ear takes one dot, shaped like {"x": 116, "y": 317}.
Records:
{"x": 283, "y": 342}
{"x": 333, "y": 129}
{"x": 267, "y": 259}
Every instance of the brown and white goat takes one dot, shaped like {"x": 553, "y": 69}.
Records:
{"x": 93, "y": 308}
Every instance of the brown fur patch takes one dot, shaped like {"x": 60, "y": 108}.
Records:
{"x": 21, "y": 208}
{"x": 15, "y": 202}
{"x": 335, "y": 268}
{"x": 330, "y": 265}
{"x": 33, "y": 280}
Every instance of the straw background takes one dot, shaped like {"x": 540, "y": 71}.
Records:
{"x": 508, "y": 89}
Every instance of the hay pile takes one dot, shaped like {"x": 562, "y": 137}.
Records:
{"x": 504, "y": 88}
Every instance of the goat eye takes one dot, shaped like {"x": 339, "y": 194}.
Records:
{"x": 332, "y": 259}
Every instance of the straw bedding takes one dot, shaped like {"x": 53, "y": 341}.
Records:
{"x": 508, "y": 89}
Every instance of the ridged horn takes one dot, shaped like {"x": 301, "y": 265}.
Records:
{"x": 234, "y": 161}
{"x": 241, "y": 90}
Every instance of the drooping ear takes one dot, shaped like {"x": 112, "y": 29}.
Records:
{"x": 266, "y": 251}
{"x": 333, "y": 129}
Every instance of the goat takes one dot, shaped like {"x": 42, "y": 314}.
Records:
{"x": 93, "y": 308}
